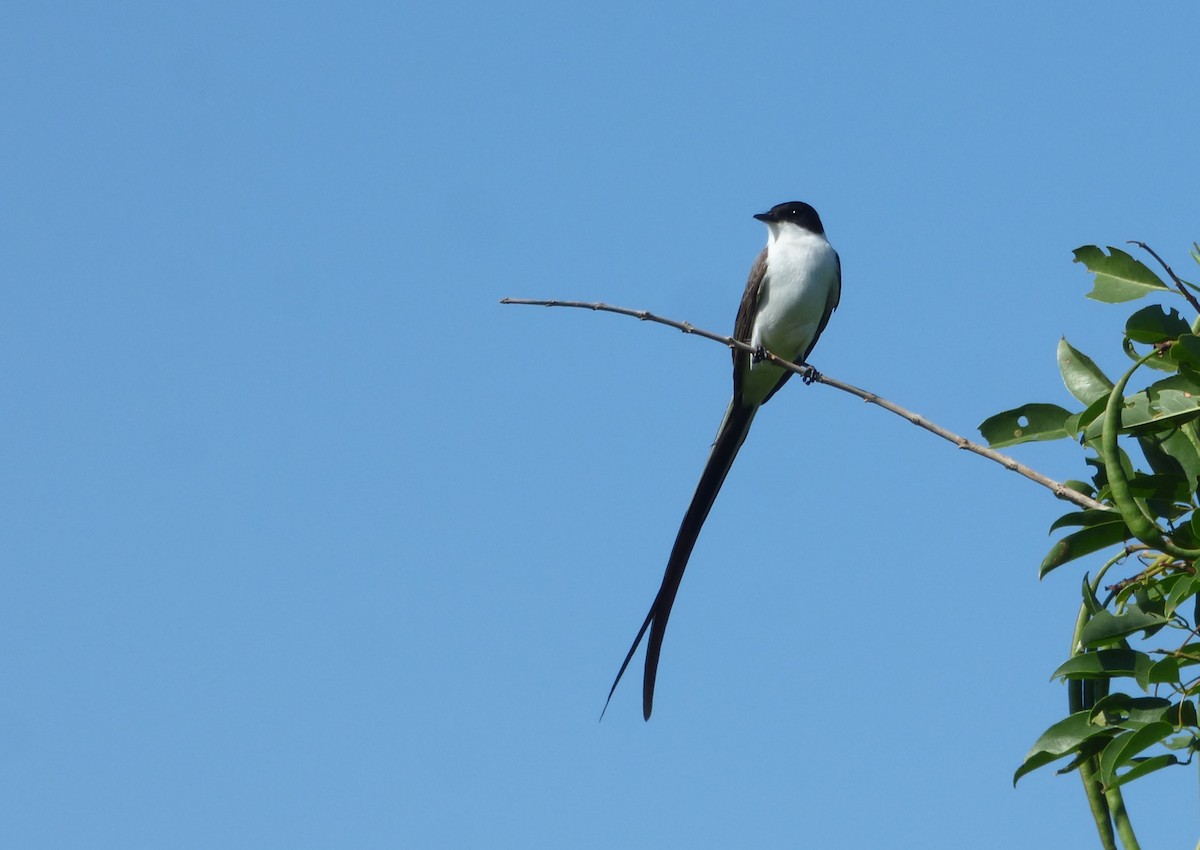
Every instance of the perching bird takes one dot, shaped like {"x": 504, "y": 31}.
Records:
{"x": 794, "y": 287}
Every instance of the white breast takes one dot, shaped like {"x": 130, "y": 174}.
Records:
{"x": 801, "y": 274}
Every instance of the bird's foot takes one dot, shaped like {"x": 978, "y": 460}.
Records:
{"x": 759, "y": 355}
{"x": 810, "y": 375}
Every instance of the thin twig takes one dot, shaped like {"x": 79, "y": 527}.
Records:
{"x": 1179, "y": 284}
{"x": 1059, "y": 489}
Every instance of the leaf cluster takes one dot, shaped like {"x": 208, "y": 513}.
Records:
{"x": 1133, "y": 674}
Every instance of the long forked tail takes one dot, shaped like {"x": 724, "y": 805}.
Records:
{"x": 730, "y": 437}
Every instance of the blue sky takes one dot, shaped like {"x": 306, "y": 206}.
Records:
{"x": 308, "y": 542}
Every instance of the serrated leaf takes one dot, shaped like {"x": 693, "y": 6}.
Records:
{"x": 1084, "y": 542}
{"x": 1063, "y": 738}
{"x": 1082, "y": 376}
{"x": 1119, "y": 277}
{"x": 1107, "y": 627}
{"x": 1152, "y": 325}
{"x": 1027, "y": 423}
{"x": 1104, "y": 664}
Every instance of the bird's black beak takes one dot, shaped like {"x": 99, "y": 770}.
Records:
{"x": 767, "y": 216}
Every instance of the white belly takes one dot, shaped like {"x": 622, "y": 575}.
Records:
{"x": 802, "y": 273}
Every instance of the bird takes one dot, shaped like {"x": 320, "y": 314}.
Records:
{"x": 794, "y": 286}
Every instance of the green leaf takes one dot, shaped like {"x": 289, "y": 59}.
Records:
{"x": 1172, "y": 453}
{"x": 1086, "y": 518}
{"x": 1084, "y": 542}
{"x": 1082, "y": 376}
{"x": 1119, "y": 277}
{"x": 1090, "y": 603}
{"x": 1186, "y": 350}
{"x": 1080, "y": 486}
{"x": 1122, "y": 749}
{"x": 1169, "y": 670}
{"x": 1163, "y": 671}
{"x": 1130, "y": 712}
{"x": 1152, "y": 324}
{"x": 1186, "y": 741}
{"x": 1181, "y": 587}
{"x": 1175, "y": 400}
{"x": 1104, "y": 664}
{"x": 1107, "y": 627}
{"x": 1025, "y": 424}
{"x": 1063, "y": 738}
{"x": 1079, "y": 422}
{"x": 1181, "y": 714}
{"x": 1100, "y": 477}
{"x": 1164, "y": 494}
{"x": 1143, "y": 766}
{"x": 1162, "y": 362}
{"x": 1161, "y": 406}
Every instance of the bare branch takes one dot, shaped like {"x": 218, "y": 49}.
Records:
{"x": 1059, "y": 489}
{"x": 1179, "y": 284}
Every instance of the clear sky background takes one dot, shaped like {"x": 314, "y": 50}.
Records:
{"x": 307, "y": 542}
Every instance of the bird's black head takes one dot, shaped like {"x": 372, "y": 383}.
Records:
{"x": 796, "y": 212}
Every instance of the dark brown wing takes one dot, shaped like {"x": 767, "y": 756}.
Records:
{"x": 743, "y": 325}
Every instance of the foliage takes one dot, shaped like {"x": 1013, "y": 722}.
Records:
{"x": 1134, "y": 671}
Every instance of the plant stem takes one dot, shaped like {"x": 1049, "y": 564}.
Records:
{"x": 1098, "y": 803}
{"x": 1116, "y": 803}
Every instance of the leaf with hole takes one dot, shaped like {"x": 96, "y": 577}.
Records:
{"x": 1024, "y": 424}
